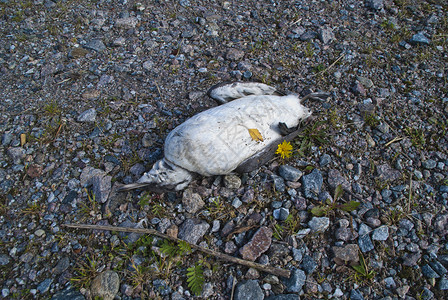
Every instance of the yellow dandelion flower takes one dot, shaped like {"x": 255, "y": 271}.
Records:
{"x": 284, "y": 149}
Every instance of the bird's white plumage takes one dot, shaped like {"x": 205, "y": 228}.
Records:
{"x": 217, "y": 141}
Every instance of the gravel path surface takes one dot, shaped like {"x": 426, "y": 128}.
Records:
{"x": 90, "y": 89}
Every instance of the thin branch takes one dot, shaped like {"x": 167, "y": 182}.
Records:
{"x": 267, "y": 269}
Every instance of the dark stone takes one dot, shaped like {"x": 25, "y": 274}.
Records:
{"x": 289, "y": 173}
{"x": 260, "y": 243}
{"x": 308, "y": 264}
{"x": 312, "y": 183}
{"x": 248, "y": 290}
{"x": 192, "y": 230}
{"x": 295, "y": 283}
{"x": 356, "y": 295}
{"x": 69, "y": 293}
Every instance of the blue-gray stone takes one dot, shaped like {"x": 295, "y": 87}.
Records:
{"x": 281, "y": 214}
{"x": 308, "y": 264}
{"x": 376, "y": 4}
{"x": 312, "y": 183}
{"x": 356, "y": 295}
{"x": 443, "y": 284}
{"x": 87, "y": 116}
{"x": 69, "y": 293}
{"x": 192, "y": 230}
{"x": 284, "y": 297}
{"x": 96, "y": 45}
{"x": 4, "y": 259}
{"x": 7, "y": 138}
{"x": 317, "y": 224}
{"x": 44, "y": 286}
{"x": 324, "y": 160}
{"x": 308, "y": 35}
{"x": 137, "y": 169}
{"x": 429, "y": 164}
{"x": 249, "y": 290}
{"x": 294, "y": 284}
{"x": 444, "y": 189}
{"x": 428, "y": 272}
{"x": 390, "y": 282}
{"x": 427, "y": 294}
{"x": 438, "y": 267}
{"x": 279, "y": 183}
{"x": 365, "y": 243}
{"x": 289, "y": 173}
{"x": 419, "y": 38}
{"x": 297, "y": 254}
{"x": 162, "y": 287}
{"x": 380, "y": 234}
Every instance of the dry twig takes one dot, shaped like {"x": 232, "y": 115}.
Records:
{"x": 268, "y": 269}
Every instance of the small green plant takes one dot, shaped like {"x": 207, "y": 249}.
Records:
{"x": 417, "y": 137}
{"x": 362, "y": 270}
{"x": 313, "y": 135}
{"x": 195, "y": 278}
{"x": 172, "y": 249}
{"x": 86, "y": 271}
{"x": 289, "y": 227}
{"x": 322, "y": 210}
{"x": 309, "y": 51}
{"x": 220, "y": 210}
{"x": 371, "y": 120}
{"x": 91, "y": 208}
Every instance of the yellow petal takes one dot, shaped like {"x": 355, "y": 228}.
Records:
{"x": 255, "y": 134}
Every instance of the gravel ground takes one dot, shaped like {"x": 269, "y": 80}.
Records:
{"x": 90, "y": 89}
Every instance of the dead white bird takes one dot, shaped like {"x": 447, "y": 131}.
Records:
{"x": 218, "y": 141}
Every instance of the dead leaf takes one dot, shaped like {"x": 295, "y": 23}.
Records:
{"x": 255, "y": 135}
{"x": 22, "y": 139}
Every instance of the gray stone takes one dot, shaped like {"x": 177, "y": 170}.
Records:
{"x": 326, "y": 35}
{"x": 308, "y": 35}
{"x": 356, "y": 295}
{"x": 61, "y": 266}
{"x": 96, "y": 45}
{"x": 289, "y": 173}
{"x": 44, "y": 286}
{"x": 7, "y": 138}
{"x": 296, "y": 281}
{"x": 87, "y": 174}
{"x": 4, "y": 259}
{"x": 366, "y": 82}
{"x": 365, "y": 243}
{"x": 317, "y": 224}
{"x": 68, "y": 293}
{"x": 105, "y": 285}
{"x": 102, "y": 186}
{"x": 375, "y": 4}
{"x": 128, "y": 22}
{"x": 419, "y": 39}
{"x": 308, "y": 264}
{"x": 192, "y": 201}
{"x": 249, "y": 290}
{"x": 88, "y": 116}
{"x": 281, "y": 214}
{"x": 335, "y": 178}
{"x": 438, "y": 267}
{"x": 385, "y": 172}
{"x": 428, "y": 272}
{"x": 148, "y": 65}
{"x": 260, "y": 243}
{"x": 236, "y": 202}
{"x": 137, "y": 169}
{"x": 426, "y": 294}
{"x": 232, "y": 181}
{"x": 234, "y": 54}
{"x": 161, "y": 287}
{"x": 312, "y": 183}
{"x": 429, "y": 164}
{"x": 346, "y": 254}
{"x": 390, "y": 282}
{"x": 297, "y": 254}
{"x": 131, "y": 237}
{"x": 279, "y": 183}
{"x": 16, "y": 154}
{"x": 192, "y": 230}
{"x": 284, "y": 297}
{"x": 324, "y": 160}
{"x": 443, "y": 284}
{"x": 411, "y": 259}
{"x": 380, "y": 233}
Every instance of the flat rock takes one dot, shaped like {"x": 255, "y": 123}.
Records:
{"x": 346, "y": 254}
{"x": 386, "y": 173}
{"x": 260, "y": 243}
{"x": 68, "y": 293}
{"x": 192, "y": 202}
{"x": 192, "y": 230}
{"x": 312, "y": 183}
{"x": 96, "y": 45}
{"x": 87, "y": 174}
{"x": 317, "y": 224}
{"x": 128, "y": 22}
{"x": 335, "y": 178}
{"x": 419, "y": 39}
{"x": 289, "y": 173}
{"x": 248, "y": 290}
{"x": 295, "y": 283}
{"x": 105, "y": 285}
{"x": 102, "y": 186}
{"x": 234, "y": 54}
{"x": 232, "y": 181}
{"x": 87, "y": 116}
